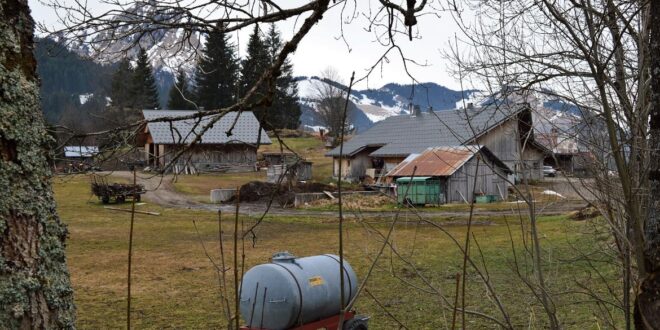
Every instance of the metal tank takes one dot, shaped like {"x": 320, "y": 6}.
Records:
{"x": 292, "y": 291}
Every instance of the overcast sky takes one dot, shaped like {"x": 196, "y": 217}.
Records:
{"x": 322, "y": 47}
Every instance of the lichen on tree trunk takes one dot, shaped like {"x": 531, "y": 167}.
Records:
{"x": 647, "y": 307}
{"x": 35, "y": 290}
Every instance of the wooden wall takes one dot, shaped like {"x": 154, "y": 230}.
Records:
{"x": 459, "y": 186}
{"x": 232, "y": 157}
{"x": 504, "y": 142}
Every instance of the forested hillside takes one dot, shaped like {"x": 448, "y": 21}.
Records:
{"x": 70, "y": 85}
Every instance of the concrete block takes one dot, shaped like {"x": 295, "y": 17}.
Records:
{"x": 222, "y": 195}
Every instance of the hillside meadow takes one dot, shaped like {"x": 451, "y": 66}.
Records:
{"x": 176, "y": 286}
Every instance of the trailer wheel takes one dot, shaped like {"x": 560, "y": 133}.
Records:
{"x": 120, "y": 199}
{"x": 105, "y": 199}
{"x": 356, "y": 324}
{"x": 137, "y": 198}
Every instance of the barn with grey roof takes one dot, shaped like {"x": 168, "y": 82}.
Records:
{"x": 228, "y": 144}
{"x": 505, "y": 129}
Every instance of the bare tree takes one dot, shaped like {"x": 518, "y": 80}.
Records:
{"x": 330, "y": 98}
{"x": 42, "y": 296}
{"x": 597, "y": 57}
{"x": 36, "y": 291}
{"x": 590, "y": 53}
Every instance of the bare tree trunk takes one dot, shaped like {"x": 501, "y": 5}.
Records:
{"x": 647, "y": 308}
{"x": 35, "y": 291}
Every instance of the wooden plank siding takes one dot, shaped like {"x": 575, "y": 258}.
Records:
{"x": 503, "y": 141}
{"x": 238, "y": 157}
{"x": 490, "y": 181}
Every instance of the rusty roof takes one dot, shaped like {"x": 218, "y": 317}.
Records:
{"x": 441, "y": 161}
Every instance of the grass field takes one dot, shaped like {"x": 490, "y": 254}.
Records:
{"x": 175, "y": 285}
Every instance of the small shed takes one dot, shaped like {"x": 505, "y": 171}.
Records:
{"x": 279, "y": 158}
{"x": 419, "y": 190}
{"x": 298, "y": 171}
{"x": 452, "y": 170}
{"x": 80, "y": 152}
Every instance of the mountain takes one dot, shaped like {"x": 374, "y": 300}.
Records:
{"x": 167, "y": 50}
{"x": 375, "y": 105}
{"x": 173, "y": 49}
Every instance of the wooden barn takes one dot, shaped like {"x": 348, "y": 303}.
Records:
{"x": 506, "y": 130}
{"x": 454, "y": 169}
{"x": 219, "y": 149}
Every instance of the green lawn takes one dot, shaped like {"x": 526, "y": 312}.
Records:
{"x": 175, "y": 285}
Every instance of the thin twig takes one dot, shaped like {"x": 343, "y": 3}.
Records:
{"x": 401, "y": 325}
{"x": 456, "y": 295}
{"x": 466, "y": 249}
{"x": 236, "y": 293}
{"x": 130, "y": 257}
{"x": 341, "y": 214}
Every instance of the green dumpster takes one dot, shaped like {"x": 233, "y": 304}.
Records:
{"x": 419, "y": 190}
{"x": 485, "y": 199}
{"x": 482, "y": 199}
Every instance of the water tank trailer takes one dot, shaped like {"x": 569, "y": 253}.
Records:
{"x": 298, "y": 293}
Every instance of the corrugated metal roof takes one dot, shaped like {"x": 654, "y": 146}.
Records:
{"x": 184, "y": 131}
{"x": 437, "y": 161}
{"x": 80, "y": 151}
{"x": 405, "y": 134}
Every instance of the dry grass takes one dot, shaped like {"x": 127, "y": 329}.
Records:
{"x": 198, "y": 187}
{"x": 175, "y": 285}
{"x": 355, "y": 202}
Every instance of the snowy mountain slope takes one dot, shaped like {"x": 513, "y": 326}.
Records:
{"x": 168, "y": 50}
{"x": 375, "y": 105}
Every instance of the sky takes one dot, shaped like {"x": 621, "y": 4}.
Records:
{"x": 323, "y": 47}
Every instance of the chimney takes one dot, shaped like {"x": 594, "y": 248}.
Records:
{"x": 416, "y": 111}
{"x": 470, "y": 106}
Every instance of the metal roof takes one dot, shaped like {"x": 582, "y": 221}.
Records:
{"x": 402, "y": 135}
{"x": 441, "y": 161}
{"x": 185, "y": 131}
{"x": 80, "y": 151}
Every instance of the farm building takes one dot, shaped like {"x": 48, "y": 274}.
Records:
{"x": 218, "y": 150}
{"x": 80, "y": 152}
{"x": 451, "y": 173}
{"x": 505, "y": 130}
{"x": 78, "y": 158}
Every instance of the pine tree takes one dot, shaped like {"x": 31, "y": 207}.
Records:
{"x": 252, "y": 67}
{"x": 144, "y": 90}
{"x": 285, "y": 111}
{"x": 180, "y": 93}
{"x": 217, "y": 72}
{"x": 120, "y": 93}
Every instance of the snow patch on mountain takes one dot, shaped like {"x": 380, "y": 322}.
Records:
{"x": 83, "y": 98}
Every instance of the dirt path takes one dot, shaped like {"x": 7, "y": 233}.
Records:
{"x": 161, "y": 191}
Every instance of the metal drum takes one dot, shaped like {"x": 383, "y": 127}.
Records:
{"x": 292, "y": 291}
